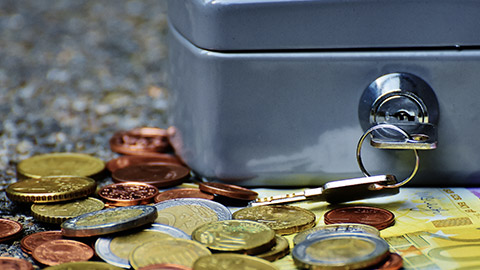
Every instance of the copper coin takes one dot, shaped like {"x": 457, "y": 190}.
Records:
{"x": 15, "y": 263}
{"x": 165, "y": 266}
{"x": 230, "y": 191}
{"x": 373, "y": 216}
{"x": 153, "y": 174}
{"x": 125, "y": 161}
{"x": 393, "y": 262}
{"x": 141, "y": 141}
{"x": 62, "y": 251}
{"x": 128, "y": 193}
{"x": 9, "y": 229}
{"x": 30, "y": 242}
{"x": 182, "y": 193}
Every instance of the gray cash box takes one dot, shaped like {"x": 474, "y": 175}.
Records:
{"x": 277, "y": 92}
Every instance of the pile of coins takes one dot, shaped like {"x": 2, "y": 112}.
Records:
{"x": 145, "y": 221}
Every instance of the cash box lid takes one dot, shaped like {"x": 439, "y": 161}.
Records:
{"x": 237, "y": 25}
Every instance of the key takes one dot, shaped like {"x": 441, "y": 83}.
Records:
{"x": 339, "y": 191}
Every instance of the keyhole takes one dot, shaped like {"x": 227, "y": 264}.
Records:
{"x": 404, "y": 116}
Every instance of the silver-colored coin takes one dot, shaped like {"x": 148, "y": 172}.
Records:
{"x": 109, "y": 221}
{"x": 187, "y": 214}
{"x": 115, "y": 249}
{"x": 335, "y": 228}
{"x": 340, "y": 251}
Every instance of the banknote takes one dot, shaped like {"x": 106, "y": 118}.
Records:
{"x": 435, "y": 228}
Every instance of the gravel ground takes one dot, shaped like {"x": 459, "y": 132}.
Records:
{"x": 71, "y": 74}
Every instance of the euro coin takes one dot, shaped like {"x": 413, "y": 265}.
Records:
{"x": 83, "y": 266}
{"x": 335, "y": 228}
{"x": 56, "y": 213}
{"x": 280, "y": 250}
{"x": 15, "y": 263}
{"x": 234, "y": 261}
{"x": 373, "y": 216}
{"x": 61, "y": 251}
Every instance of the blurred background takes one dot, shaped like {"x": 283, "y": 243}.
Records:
{"x": 73, "y": 72}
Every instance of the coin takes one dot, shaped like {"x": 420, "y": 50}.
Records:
{"x": 60, "y": 164}
{"x": 51, "y": 189}
{"x": 340, "y": 251}
{"x": 165, "y": 266}
{"x": 283, "y": 219}
{"x": 280, "y": 250}
{"x": 227, "y": 190}
{"x": 140, "y": 141}
{"x": 182, "y": 193}
{"x": 234, "y": 261}
{"x": 373, "y": 216}
{"x": 335, "y": 228}
{"x": 15, "y": 263}
{"x": 125, "y": 161}
{"x": 166, "y": 175}
{"x": 57, "y": 213}
{"x": 128, "y": 193}
{"x": 30, "y": 242}
{"x": 83, "y": 266}
{"x": 109, "y": 221}
{"x": 61, "y": 251}
{"x": 239, "y": 236}
{"x": 9, "y": 229}
{"x": 115, "y": 249}
{"x": 187, "y": 214}
{"x": 393, "y": 262}
{"x": 175, "y": 251}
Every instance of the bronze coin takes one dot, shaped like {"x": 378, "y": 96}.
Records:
{"x": 165, "y": 266}
{"x": 141, "y": 141}
{"x": 393, "y": 262}
{"x": 9, "y": 229}
{"x": 153, "y": 174}
{"x": 125, "y": 161}
{"x": 128, "y": 193}
{"x": 373, "y": 216}
{"x": 15, "y": 263}
{"x": 182, "y": 193}
{"x": 30, "y": 242}
{"x": 62, "y": 251}
{"x": 227, "y": 190}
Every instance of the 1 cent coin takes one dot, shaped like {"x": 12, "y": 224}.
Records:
{"x": 30, "y": 242}
{"x": 125, "y": 161}
{"x": 62, "y": 251}
{"x": 15, "y": 263}
{"x": 128, "y": 193}
{"x": 182, "y": 193}
{"x": 227, "y": 190}
{"x": 9, "y": 229}
{"x": 141, "y": 141}
{"x": 153, "y": 174}
{"x": 373, "y": 216}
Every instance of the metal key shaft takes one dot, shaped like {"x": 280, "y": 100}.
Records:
{"x": 338, "y": 191}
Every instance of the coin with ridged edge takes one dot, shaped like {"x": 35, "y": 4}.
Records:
{"x": 340, "y": 251}
{"x": 83, "y": 266}
{"x": 51, "y": 189}
{"x": 280, "y": 250}
{"x": 239, "y": 236}
{"x": 187, "y": 214}
{"x": 109, "y": 221}
{"x": 234, "y": 261}
{"x": 283, "y": 219}
{"x": 174, "y": 251}
{"x": 115, "y": 249}
{"x": 56, "y": 213}
{"x": 60, "y": 164}
{"x": 335, "y": 228}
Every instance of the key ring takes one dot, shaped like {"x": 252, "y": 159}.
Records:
{"x": 387, "y": 126}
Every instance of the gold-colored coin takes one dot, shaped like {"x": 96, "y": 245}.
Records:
{"x": 283, "y": 219}
{"x": 51, "y": 189}
{"x": 57, "y": 213}
{"x": 240, "y": 236}
{"x": 83, "y": 266}
{"x": 280, "y": 250}
{"x": 60, "y": 164}
{"x": 234, "y": 262}
{"x": 174, "y": 251}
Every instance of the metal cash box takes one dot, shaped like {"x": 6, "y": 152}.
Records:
{"x": 277, "y": 92}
